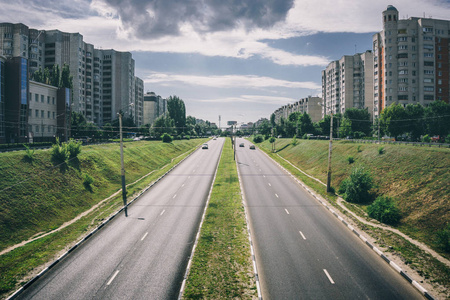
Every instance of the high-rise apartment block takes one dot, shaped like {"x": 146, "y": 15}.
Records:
{"x": 309, "y": 105}
{"x": 154, "y": 106}
{"x": 411, "y": 61}
{"x": 348, "y": 83}
{"x": 104, "y": 81}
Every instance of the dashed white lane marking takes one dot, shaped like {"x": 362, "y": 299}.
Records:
{"x": 145, "y": 235}
{"x": 189, "y": 177}
{"x": 112, "y": 278}
{"x": 174, "y": 196}
{"x": 303, "y": 236}
{"x": 193, "y": 171}
{"x": 264, "y": 176}
{"x": 328, "y": 275}
{"x": 286, "y": 211}
{"x": 276, "y": 196}
{"x": 269, "y": 184}
{"x": 260, "y": 170}
{"x": 162, "y": 212}
{"x": 182, "y": 185}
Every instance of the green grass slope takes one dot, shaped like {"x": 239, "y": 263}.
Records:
{"x": 37, "y": 196}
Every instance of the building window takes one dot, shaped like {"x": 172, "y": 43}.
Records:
{"x": 48, "y": 114}
{"x": 42, "y": 98}
{"x": 36, "y": 97}
{"x": 36, "y": 113}
{"x": 53, "y": 115}
{"x": 48, "y": 99}
{"x": 53, "y": 100}
{"x": 42, "y": 114}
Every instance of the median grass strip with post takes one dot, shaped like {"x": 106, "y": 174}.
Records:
{"x": 222, "y": 267}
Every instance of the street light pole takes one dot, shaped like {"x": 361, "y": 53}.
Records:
{"x": 124, "y": 189}
{"x": 329, "y": 156}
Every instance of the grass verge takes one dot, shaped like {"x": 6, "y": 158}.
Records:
{"x": 222, "y": 266}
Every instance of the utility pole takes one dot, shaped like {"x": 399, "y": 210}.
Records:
{"x": 329, "y": 156}
{"x": 124, "y": 189}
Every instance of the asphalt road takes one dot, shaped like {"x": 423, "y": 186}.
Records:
{"x": 302, "y": 251}
{"x": 143, "y": 256}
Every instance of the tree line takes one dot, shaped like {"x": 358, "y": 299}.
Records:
{"x": 174, "y": 123}
{"x": 412, "y": 122}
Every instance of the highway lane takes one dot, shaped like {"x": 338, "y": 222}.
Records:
{"x": 302, "y": 251}
{"x": 145, "y": 255}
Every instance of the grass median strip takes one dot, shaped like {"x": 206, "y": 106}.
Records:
{"x": 222, "y": 266}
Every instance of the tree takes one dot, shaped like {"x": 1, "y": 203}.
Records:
{"x": 163, "y": 124}
{"x": 415, "y": 124}
{"x": 66, "y": 78}
{"x": 177, "y": 112}
{"x": 437, "y": 116}
{"x": 264, "y": 128}
{"x": 392, "y": 120}
{"x": 305, "y": 125}
{"x": 345, "y": 128}
{"x": 360, "y": 120}
{"x": 55, "y": 76}
{"x": 272, "y": 120}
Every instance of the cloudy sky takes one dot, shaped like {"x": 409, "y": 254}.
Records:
{"x": 241, "y": 59}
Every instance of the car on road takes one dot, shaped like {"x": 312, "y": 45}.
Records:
{"x": 205, "y": 146}
{"x": 241, "y": 145}
{"x": 252, "y": 147}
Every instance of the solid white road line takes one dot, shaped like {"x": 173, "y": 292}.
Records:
{"x": 162, "y": 212}
{"x": 269, "y": 184}
{"x": 328, "y": 275}
{"x": 286, "y": 211}
{"x": 276, "y": 196}
{"x": 112, "y": 278}
{"x": 145, "y": 235}
{"x": 303, "y": 236}
{"x": 182, "y": 185}
{"x": 174, "y": 196}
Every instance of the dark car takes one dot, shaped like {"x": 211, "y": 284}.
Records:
{"x": 241, "y": 145}
{"x": 205, "y": 146}
{"x": 252, "y": 147}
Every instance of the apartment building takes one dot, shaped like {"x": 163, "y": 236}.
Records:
{"x": 2, "y": 98}
{"x": 411, "y": 61}
{"x": 309, "y": 105}
{"x": 154, "y": 106}
{"x": 103, "y": 80}
{"x": 348, "y": 83}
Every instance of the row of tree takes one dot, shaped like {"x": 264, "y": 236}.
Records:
{"x": 55, "y": 77}
{"x": 174, "y": 123}
{"x": 411, "y": 122}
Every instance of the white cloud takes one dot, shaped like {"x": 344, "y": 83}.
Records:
{"x": 227, "y": 81}
{"x": 251, "y": 99}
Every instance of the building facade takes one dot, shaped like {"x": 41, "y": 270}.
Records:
{"x": 348, "y": 83}
{"x": 154, "y": 107}
{"x": 2, "y": 98}
{"x": 309, "y": 105}
{"x": 104, "y": 81}
{"x": 411, "y": 61}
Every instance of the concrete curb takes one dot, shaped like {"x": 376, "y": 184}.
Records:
{"x": 30, "y": 282}
{"x": 393, "y": 265}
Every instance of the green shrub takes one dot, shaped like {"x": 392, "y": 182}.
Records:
{"x": 380, "y": 150}
{"x": 166, "y": 138}
{"x": 426, "y": 138}
{"x": 29, "y": 154}
{"x": 73, "y": 147}
{"x": 59, "y": 153}
{"x": 294, "y": 141}
{"x": 384, "y": 209}
{"x": 258, "y": 139}
{"x": 359, "y": 148}
{"x": 350, "y": 159}
{"x": 188, "y": 137}
{"x": 447, "y": 139}
{"x": 358, "y": 186}
{"x": 272, "y": 140}
{"x": 443, "y": 238}
{"x": 305, "y": 136}
{"x": 343, "y": 186}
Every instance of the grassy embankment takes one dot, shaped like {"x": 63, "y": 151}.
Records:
{"x": 38, "y": 197}
{"x": 418, "y": 178}
{"x": 222, "y": 266}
